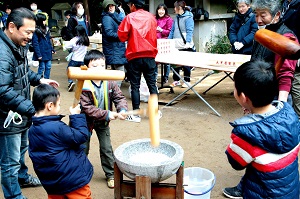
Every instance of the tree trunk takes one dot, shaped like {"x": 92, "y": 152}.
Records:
{"x": 87, "y": 11}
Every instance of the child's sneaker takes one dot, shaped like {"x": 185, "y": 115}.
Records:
{"x": 133, "y": 118}
{"x": 233, "y": 192}
{"x": 111, "y": 183}
{"x": 186, "y": 85}
{"x": 175, "y": 83}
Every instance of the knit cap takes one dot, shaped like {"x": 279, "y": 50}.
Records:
{"x": 107, "y": 2}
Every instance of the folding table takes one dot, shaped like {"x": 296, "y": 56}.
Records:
{"x": 227, "y": 63}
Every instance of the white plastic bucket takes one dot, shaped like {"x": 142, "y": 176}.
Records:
{"x": 198, "y": 183}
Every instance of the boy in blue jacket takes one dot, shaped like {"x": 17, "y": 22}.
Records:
{"x": 56, "y": 149}
{"x": 265, "y": 142}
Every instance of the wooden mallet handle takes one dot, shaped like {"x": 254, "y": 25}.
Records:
{"x": 287, "y": 48}
{"x": 154, "y": 119}
{"x": 84, "y": 73}
{"x": 94, "y": 74}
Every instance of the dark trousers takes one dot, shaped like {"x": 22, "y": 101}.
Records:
{"x": 186, "y": 73}
{"x": 105, "y": 149}
{"x": 136, "y": 68}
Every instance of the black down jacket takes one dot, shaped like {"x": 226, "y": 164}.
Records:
{"x": 15, "y": 80}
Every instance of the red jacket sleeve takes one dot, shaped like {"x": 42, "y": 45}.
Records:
{"x": 286, "y": 72}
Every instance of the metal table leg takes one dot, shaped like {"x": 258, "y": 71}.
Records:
{"x": 191, "y": 88}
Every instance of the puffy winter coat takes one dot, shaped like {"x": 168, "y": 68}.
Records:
{"x": 57, "y": 153}
{"x": 139, "y": 29}
{"x": 42, "y": 46}
{"x": 268, "y": 149}
{"x": 15, "y": 80}
{"x": 243, "y": 29}
{"x": 113, "y": 48}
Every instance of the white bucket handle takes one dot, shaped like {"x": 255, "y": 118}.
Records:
{"x": 205, "y": 192}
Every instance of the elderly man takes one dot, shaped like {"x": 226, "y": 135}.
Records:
{"x": 16, "y": 108}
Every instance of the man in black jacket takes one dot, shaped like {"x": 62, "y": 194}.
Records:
{"x": 16, "y": 108}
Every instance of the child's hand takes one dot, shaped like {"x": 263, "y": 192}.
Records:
{"x": 75, "y": 110}
{"x": 122, "y": 115}
{"x": 113, "y": 115}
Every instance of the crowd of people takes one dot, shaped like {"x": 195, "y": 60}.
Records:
{"x": 271, "y": 99}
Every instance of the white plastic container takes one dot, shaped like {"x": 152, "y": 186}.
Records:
{"x": 198, "y": 183}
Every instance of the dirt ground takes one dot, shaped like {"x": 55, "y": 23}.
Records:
{"x": 190, "y": 123}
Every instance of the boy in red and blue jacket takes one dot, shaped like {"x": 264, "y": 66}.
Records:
{"x": 265, "y": 142}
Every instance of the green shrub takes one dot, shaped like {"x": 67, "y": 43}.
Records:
{"x": 219, "y": 45}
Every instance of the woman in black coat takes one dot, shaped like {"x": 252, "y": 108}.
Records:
{"x": 113, "y": 48}
{"x": 243, "y": 29}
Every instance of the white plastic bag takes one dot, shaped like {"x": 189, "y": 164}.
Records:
{"x": 144, "y": 90}
{"x": 31, "y": 63}
{"x": 69, "y": 57}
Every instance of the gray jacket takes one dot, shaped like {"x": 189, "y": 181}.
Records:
{"x": 15, "y": 80}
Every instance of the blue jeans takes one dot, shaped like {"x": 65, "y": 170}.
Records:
{"x": 12, "y": 162}
{"x": 136, "y": 67}
{"x": 44, "y": 69}
{"x": 74, "y": 64}
{"x": 166, "y": 71}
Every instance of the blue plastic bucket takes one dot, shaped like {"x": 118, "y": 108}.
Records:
{"x": 198, "y": 183}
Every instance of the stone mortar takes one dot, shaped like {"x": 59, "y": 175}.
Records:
{"x": 138, "y": 157}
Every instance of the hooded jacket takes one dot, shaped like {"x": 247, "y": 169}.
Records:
{"x": 113, "y": 48}
{"x": 139, "y": 29}
{"x": 268, "y": 149}
{"x": 186, "y": 23}
{"x": 57, "y": 153}
{"x": 242, "y": 30}
{"x": 42, "y": 46}
{"x": 16, "y": 78}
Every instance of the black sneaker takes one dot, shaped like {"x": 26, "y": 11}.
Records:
{"x": 30, "y": 182}
{"x": 71, "y": 86}
{"x": 233, "y": 192}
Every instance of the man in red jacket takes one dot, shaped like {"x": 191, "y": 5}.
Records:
{"x": 139, "y": 29}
